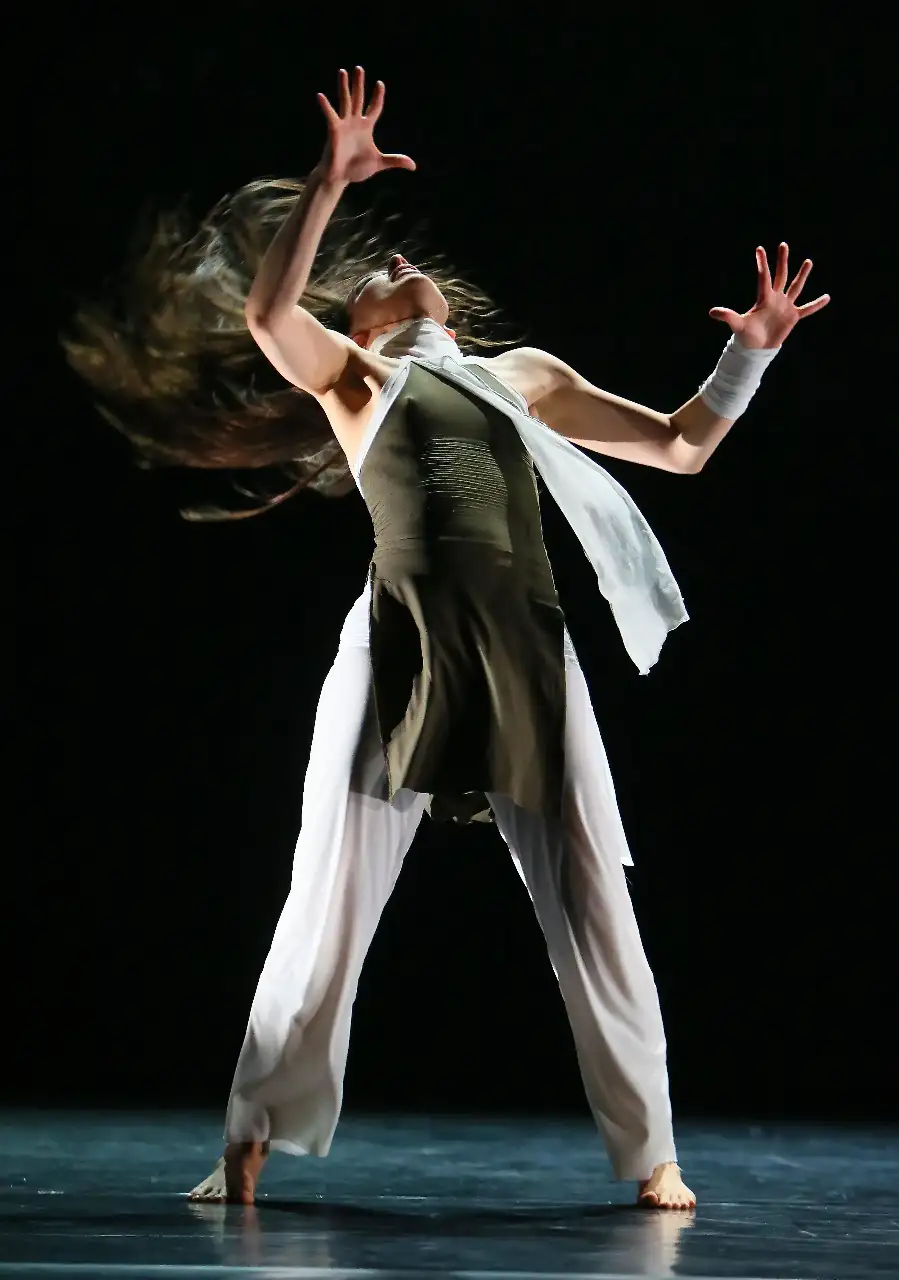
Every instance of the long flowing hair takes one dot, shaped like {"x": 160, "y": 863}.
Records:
{"x": 172, "y": 365}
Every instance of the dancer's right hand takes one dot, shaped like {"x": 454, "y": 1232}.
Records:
{"x": 350, "y": 154}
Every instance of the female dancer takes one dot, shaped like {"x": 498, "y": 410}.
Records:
{"x": 456, "y": 687}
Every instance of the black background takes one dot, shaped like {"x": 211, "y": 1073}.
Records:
{"x": 606, "y": 177}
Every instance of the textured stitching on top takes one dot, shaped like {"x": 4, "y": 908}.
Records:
{"x": 464, "y": 470}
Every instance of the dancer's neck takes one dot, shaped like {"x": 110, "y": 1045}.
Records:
{"x": 419, "y": 337}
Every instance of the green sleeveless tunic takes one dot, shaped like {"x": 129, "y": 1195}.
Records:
{"x": 466, "y": 632}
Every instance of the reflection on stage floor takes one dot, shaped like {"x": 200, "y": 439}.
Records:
{"x": 103, "y": 1195}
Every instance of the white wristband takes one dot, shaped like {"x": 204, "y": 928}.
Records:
{"x": 736, "y": 378}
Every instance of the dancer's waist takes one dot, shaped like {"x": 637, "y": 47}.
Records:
{"x": 454, "y": 557}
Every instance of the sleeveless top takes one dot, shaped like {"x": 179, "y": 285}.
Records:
{"x": 447, "y": 498}
{"x": 632, "y": 572}
{"x": 465, "y": 629}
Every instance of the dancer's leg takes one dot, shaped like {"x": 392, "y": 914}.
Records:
{"x": 289, "y": 1081}
{"x": 574, "y": 875}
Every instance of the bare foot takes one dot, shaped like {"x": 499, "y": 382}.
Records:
{"x": 665, "y": 1189}
{"x": 212, "y": 1188}
{"x": 234, "y": 1178}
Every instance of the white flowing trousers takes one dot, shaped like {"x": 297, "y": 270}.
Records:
{"x": 288, "y": 1085}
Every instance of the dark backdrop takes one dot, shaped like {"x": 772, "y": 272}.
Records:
{"x": 607, "y": 178}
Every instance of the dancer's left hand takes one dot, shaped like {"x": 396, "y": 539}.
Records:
{"x": 775, "y": 312}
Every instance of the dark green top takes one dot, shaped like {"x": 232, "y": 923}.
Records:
{"x": 466, "y": 630}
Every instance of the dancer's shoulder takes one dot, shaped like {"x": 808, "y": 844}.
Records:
{"x": 531, "y": 372}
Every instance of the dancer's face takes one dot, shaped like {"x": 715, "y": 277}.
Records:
{"x": 384, "y": 298}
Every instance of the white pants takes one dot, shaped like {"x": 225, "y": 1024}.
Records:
{"x": 288, "y": 1085}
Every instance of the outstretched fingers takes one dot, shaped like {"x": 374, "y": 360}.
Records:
{"x": 376, "y": 106}
{"x": 396, "y": 161}
{"x": 351, "y": 97}
{"x": 732, "y": 318}
{"x": 344, "y": 92}
{"x": 330, "y": 114}
{"x": 811, "y": 307}
{"x": 764, "y": 274}
{"x": 801, "y": 276}
{"x": 358, "y": 91}
{"x": 780, "y": 271}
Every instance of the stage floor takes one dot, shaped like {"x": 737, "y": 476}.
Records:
{"x": 103, "y": 1195}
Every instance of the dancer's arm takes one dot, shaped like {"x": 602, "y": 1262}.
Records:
{"x": 684, "y": 440}
{"x": 301, "y": 349}
{"x": 607, "y": 424}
